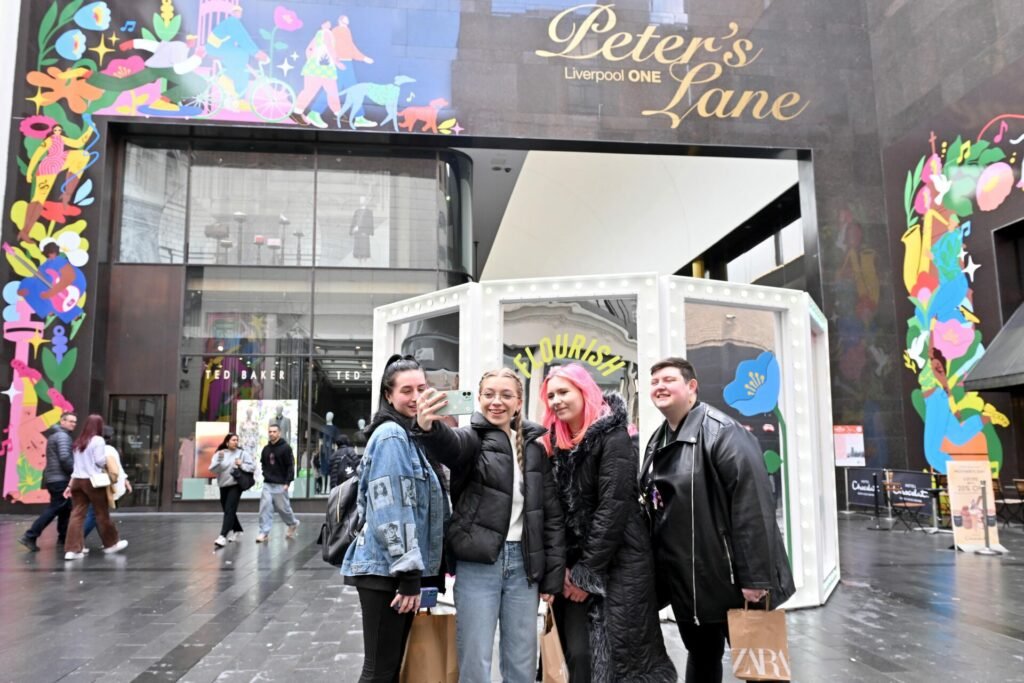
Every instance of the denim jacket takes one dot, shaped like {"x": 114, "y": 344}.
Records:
{"x": 404, "y": 506}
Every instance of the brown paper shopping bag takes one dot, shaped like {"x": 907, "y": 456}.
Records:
{"x": 551, "y": 656}
{"x": 430, "y": 653}
{"x": 760, "y": 648}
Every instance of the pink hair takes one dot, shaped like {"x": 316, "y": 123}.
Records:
{"x": 594, "y": 406}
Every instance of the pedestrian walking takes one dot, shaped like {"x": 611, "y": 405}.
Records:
{"x": 709, "y": 498}
{"x": 402, "y": 495}
{"x": 86, "y": 488}
{"x": 119, "y": 487}
{"x": 507, "y": 533}
{"x": 227, "y": 458}
{"x": 278, "y": 463}
{"x": 607, "y": 614}
{"x": 60, "y": 463}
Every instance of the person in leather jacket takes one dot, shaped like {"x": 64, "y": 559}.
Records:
{"x": 607, "y": 614}
{"x": 506, "y": 535}
{"x": 709, "y": 499}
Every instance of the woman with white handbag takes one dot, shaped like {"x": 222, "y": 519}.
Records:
{"x": 89, "y": 482}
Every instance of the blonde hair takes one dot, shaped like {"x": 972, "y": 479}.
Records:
{"x": 517, "y": 419}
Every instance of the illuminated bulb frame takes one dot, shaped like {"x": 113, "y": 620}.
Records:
{"x": 801, "y": 347}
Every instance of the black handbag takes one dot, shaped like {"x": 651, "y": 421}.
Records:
{"x": 343, "y": 522}
{"x": 246, "y": 480}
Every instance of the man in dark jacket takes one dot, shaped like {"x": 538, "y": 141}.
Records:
{"x": 716, "y": 541}
{"x": 278, "y": 463}
{"x": 56, "y": 476}
{"x": 343, "y": 462}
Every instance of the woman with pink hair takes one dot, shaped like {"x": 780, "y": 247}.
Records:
{"x": 607, "y": 613}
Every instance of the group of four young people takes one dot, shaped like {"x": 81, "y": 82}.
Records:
{"x": 545, "y": 511}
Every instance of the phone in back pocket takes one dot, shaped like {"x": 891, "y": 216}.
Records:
{"x": 428, "y": 598}
{"x": 460, "y": 402}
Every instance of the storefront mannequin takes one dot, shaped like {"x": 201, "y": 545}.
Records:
{"x": 283, "y": 423}
{"x": 328, "y": 437}
{"x": 362, "y": 229}
{"x": 359, "y": 438}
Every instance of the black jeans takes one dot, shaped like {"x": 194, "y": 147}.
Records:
{"x": 574, "y": 632}
{"x": 229, "y": 497}
{"x": 59, "y": 507}
{"x": 705, "y": 645}
{"x": 385, "y": 633}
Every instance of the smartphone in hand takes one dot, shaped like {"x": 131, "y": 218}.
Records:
{"x": 428, "y": 598}
{"x": 460, "y": 402}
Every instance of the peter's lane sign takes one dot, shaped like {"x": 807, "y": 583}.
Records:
{"x": 694, "y": 63}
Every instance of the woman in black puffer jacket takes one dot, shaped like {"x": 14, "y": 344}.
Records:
{"x": 506, "y": 533}
{"x": 607, "y": 614}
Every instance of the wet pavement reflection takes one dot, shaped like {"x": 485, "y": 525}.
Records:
{"x": 174, "y": 608}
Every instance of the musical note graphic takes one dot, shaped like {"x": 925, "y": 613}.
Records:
{"x": 965, "y": 151}
{"x": 409, "y": 98}
{"x": 1002, "y": 129}
{"x": 129, "y": 26}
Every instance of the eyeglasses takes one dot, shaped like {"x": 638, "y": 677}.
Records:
{"x": 506, "y": 396}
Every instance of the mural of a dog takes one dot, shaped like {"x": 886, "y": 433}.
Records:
{"x": 410, "y": 116}
{"x": 384, "y": 94}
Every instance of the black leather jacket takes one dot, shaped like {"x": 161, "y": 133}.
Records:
{"x": 480, "y": 458}
{"x": 715, "y": 530}
{"x": 60, "y": 460}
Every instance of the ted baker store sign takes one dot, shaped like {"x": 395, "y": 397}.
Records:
{"x": 694, "y": 63}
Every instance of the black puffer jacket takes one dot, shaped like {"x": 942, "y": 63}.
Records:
{"x": 480, "y": 458}
{"x": 60, "y": 460}
{"x": 715, "y": 532}
{"x": 609, "y": 552}
{"x": 343, "y": 464}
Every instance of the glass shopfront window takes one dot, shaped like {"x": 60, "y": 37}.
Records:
{"x": 223, "y": 393}
{"x": 247, "y": 310}
{"x": 153, "y": 204}
{"x": 251, "y": 208}
{"x": 378, "y": 212}
{"x": 286, "y": 252}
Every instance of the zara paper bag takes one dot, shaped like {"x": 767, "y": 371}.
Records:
{"x": 760, "y": 648}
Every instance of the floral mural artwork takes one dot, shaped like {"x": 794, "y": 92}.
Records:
{"x": 755, "y": 391}
{"x": 176, "y": 59}
{"x": 941, "y": 195}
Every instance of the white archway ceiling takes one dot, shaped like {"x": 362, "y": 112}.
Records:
{"x": 579, "y": 213}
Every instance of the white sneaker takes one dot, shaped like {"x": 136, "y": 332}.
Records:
{"x": 117, "y": 547}
{"x": 220, "y": 542}
{"x": 234, "y": 536}
{"x": 262, "y": 538}
{"x": 292, "y": 529}
{"x": 73, "y": 556}
{"x": 85, "y": 551}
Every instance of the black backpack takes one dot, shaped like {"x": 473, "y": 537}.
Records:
{"x": 343, "y": 522}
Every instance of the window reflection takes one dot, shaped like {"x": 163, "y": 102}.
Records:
{"x": 153, "y": 205}
{"x": 247, "y": 311}
{"x": 251, "y": 208}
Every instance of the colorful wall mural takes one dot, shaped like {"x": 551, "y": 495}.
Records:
{"x": 253, "y": 61}
{"x": 951, "y": 185}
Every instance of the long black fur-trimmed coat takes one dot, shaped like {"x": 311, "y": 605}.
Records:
{"x": 609, "y": 552}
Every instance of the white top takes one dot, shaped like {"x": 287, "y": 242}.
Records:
{"x": 92, "y": 460}
{"x": 120, "y": 484}
{"x": 515, "y": 526}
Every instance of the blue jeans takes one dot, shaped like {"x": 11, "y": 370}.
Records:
{"x": 275, "y": 497}
{"x": 485, "y": 594}
{"x": 90, "y": 522}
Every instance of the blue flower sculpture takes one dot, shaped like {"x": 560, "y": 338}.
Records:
{"x": 756, "y": 387}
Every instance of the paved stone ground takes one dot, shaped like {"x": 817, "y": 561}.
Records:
{"x": 172, "y": 608}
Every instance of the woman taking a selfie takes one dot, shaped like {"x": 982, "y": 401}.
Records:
{"x": 607, "y": 614}
{"x": 228, "y": 457}
{"x": 405, "y": 507}
{"x": 506, "y": 535}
